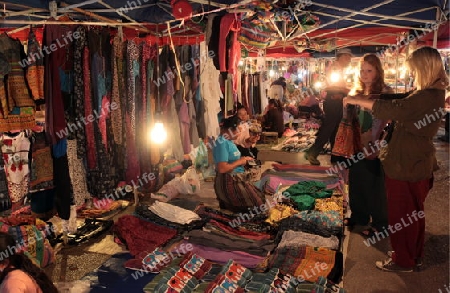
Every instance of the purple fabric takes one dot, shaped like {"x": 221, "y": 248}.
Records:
{"x": 270, "y": 182}
{"x": 185, "y": 120}
{"x": 215, "y": 255}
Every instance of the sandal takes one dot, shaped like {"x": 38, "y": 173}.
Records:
{"x": 369, "y": 232}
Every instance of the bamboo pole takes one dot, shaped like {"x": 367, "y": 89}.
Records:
{"x": 105, "y": 19}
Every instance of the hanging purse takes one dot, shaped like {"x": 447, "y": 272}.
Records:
{"x": 348, "y": 136}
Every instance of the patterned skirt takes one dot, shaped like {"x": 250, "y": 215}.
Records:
{"x": 236, "y": 194}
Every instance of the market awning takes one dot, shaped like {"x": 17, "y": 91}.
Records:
{"x": 321, "y": 25}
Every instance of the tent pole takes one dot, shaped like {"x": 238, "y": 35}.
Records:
{"x": 374, "y": 21}
{"x": 435, "y": 33}
{"x": 350, "y": 15}
{"x": 117, "y": 11}
{"x": 366, "y": 13}
{"x": 102, "y": 18}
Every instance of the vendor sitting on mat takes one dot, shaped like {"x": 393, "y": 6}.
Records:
{"x": 247, "y": 144}
{"x": 233, "y": 192}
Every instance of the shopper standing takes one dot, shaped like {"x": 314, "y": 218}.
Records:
{"x": 409, "y": 158}
{"x": 366, "y": 178}
{"x": 332, "y": 106}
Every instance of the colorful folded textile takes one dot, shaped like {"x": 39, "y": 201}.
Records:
{"x": 140, "y": 235}
{"x": 305, "y": 262}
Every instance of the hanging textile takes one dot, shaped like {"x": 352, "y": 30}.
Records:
{"x": 132, "y": 168}
{"x": 90, "y": 140}
{"x": 210, "y": 93}
{"x": 79, "y": 89}
{"x": 55, "y": 122}
{"x": 148, "y": 54}
{"x": 102, "y": 180}
{"x": 61, "y": 177}
{"x": 200, "y": 113}
{"x": 41, "y": 175}
{"x": 35, "y": 70}
{"x": 116, "y": 116}
{"x": 11, "y": 116}
{"x": 256, "y": 94}
{"x": 17, "y": 90}
{"x": 15, "y": 149}
{"x": 193, "y": 131}
{"x": 5, "y": 201}
{"x": 185, "y": 123}
{"x": 151, "y": 110}
{"x": 77, "y": 174}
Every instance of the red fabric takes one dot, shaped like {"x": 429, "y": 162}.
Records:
{"x": 405, "y": 199}
{"x": 230, "y": 22}
{"x": 142, "y": 236}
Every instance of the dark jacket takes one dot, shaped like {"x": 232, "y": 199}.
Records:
{"x": 410, "y": 154}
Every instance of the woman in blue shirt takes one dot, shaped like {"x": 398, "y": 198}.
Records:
{"x": 233, "y": 192}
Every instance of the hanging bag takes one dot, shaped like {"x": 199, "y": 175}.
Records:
{"x": 348, "y": 136}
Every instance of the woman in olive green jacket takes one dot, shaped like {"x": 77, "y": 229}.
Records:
{"x": 409, "y": 158}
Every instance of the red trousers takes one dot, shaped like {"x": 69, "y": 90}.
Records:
{"x": 406, "y": 218}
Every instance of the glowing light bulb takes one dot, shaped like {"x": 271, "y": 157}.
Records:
{"x": 241, "y": 62}
{"x": 318, "y": 85}
{"x": 271, "y": 73}
{"x": 335, "y": 77}
{"x": 158, "y": 134}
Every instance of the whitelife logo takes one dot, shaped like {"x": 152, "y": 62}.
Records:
{"x": 67, "y": 39}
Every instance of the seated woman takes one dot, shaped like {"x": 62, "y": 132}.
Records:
{"x": 273, "y": 118}
{"x": 243, "y": 117}
{"x": 247, "y": 144}
{"x": 18, "y": 273}
{"x": 233, "y": 192}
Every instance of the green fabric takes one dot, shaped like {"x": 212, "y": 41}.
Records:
{"x": 304, "y": 202}
{"x": 365, "y": 120}
{"x": 314, "y": 188}
{"x": 304, "y": 193}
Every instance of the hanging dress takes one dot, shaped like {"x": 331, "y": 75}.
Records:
{"x": 15, "y": 151}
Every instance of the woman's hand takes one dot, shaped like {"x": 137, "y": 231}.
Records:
{"x": 243, "y": 161}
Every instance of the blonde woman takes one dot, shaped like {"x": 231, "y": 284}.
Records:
{"x": 409, "y": 157}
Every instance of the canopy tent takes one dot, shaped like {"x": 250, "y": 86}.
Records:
{"x": 353, "y": 23}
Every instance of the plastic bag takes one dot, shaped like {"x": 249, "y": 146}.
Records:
{"x": 169, "y": 191}
{"x": 200, "y": 155}
{"x": 190, "y": 182}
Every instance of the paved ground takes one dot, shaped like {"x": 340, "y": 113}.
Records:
{"x": 361, "y": 275}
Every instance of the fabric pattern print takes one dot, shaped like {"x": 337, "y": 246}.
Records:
{"x": 77, "y": 174}
{"x": 15, "y": 151}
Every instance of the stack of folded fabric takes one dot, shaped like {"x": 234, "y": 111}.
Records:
{"x": 153, "y": 214}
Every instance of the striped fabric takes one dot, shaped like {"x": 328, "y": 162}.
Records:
{"x": 235, "y": 194}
